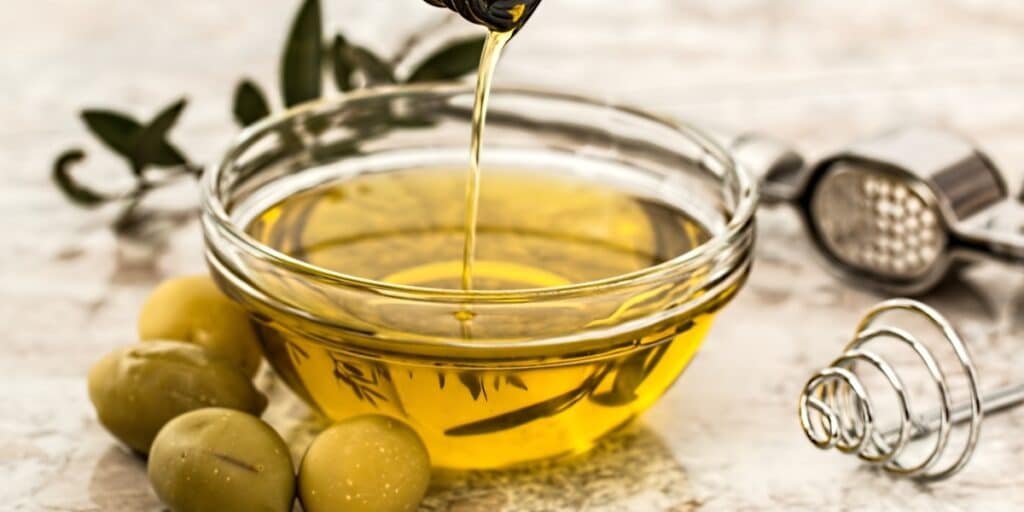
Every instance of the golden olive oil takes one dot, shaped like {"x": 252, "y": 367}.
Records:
{"x": 493, "y": 47}
{"x": 535, "y": 230}
{"x": 507, "y": 229}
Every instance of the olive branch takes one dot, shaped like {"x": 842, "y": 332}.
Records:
{"x": 307, "y": 62}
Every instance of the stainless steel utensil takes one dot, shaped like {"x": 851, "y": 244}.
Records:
{"x": 897, "y": 211}
{"x": 837, "y": 411}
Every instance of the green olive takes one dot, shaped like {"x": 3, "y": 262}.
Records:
{"x": 193, "y": 309}
{"x": 368, "y": 463}
{"x": 219, "y": 459}
{"x": 136, "y": 390}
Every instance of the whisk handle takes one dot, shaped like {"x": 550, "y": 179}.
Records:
{"x": 992, "y": 403}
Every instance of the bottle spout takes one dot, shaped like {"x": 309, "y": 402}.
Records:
{"x": 499, "y": 15}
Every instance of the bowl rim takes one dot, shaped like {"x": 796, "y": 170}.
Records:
{"x": 215, "y": 215}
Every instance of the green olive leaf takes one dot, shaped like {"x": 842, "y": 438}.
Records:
{"x": 630, "y": 374}
{"x": 131, "y": 220}
{"x": 351, "y": 59}
{"x": 342, "y": 66}
{"x": 151, "y": 147}
{"x": 474, "y": 384}
{"x": 303, "y": 55}
{"x": 628, "y": 377}
{"x": 117, "y": 131}
{"x": 516, "y": 381}
{"x": 531, "y": 413}
{"x": 289, "y": 356}
{"x": 75, "y": 192}
{"x": 450, "y": 62}
{"x": 374, "y": 69}
{"x": 250, "y": 103}
{"x": 634, "y": 370}
{"x": 364, "y": 385}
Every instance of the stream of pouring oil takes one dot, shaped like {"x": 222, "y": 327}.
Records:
{"x": 493, "y": 48}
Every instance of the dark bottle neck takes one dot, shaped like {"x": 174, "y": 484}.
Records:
{"x": 500, "y": 15}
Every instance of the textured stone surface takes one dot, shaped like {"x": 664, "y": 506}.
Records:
{"x": 725, "y": 438}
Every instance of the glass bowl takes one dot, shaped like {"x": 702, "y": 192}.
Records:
{"x": 556, "y": 368}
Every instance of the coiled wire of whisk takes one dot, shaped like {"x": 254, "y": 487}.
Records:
{"x": 847, "y": 416}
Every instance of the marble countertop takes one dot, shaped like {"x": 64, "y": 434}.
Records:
{"x": 726, "y": 436}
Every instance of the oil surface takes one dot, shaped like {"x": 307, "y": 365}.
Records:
{"x": 535, "y": 230}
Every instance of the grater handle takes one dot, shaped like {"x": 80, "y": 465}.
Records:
{"x": 778, "y": 167}
{"x": 996, "y": 233}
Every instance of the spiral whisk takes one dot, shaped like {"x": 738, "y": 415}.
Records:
{"x": 837, "y": 411}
